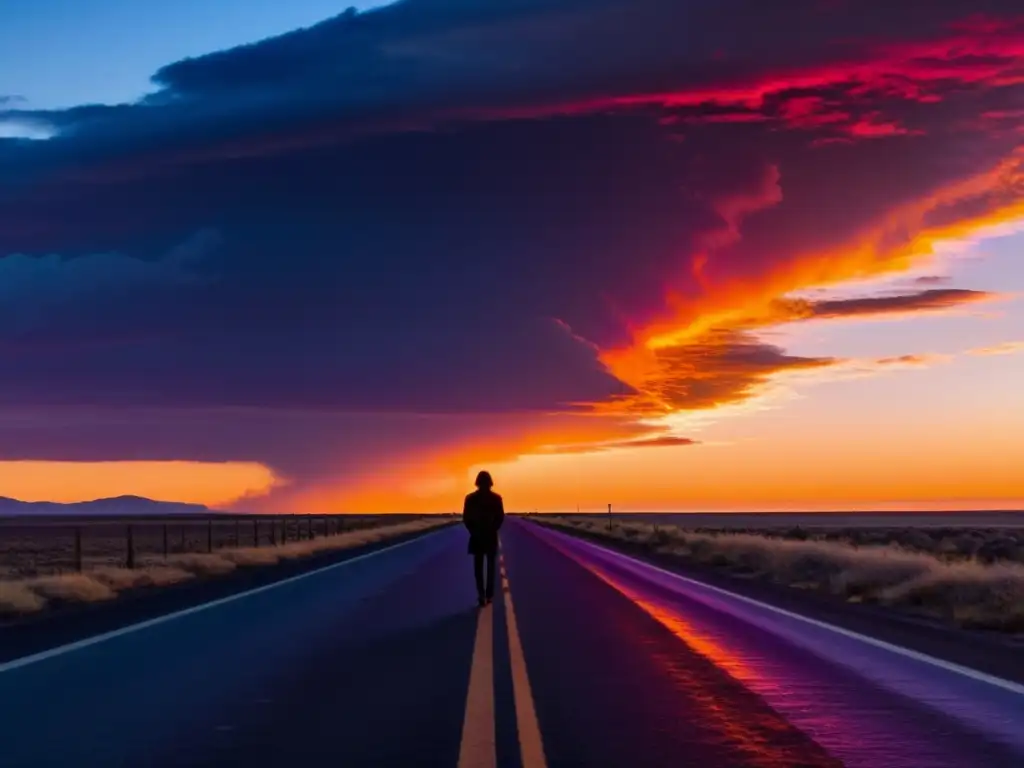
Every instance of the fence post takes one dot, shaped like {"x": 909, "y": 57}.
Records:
{"x": 78, "y": 549}
{"x": 130, "y": 546}
{"x": 273, "y": 532}
{"x": 166, "y": 548}
{"x": 255, "y": 532}
{"x": 238, "y": 539}
{"x": 182, "y": 537}
{"x": 284, "y": 530}
{"x": 209, "y": 535}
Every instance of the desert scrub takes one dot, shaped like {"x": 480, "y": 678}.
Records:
{"x": 979, "y": 593}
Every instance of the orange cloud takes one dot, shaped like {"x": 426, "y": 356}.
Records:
{"x": 720, "y": 367}
{"x": 699, "y": 354}
{"x": 702, "y": 353}
{"x": 663, "y": 441}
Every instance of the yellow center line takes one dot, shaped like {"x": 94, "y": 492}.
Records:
{"x": 478, "y": 746}
{"x": 531, "y": 746}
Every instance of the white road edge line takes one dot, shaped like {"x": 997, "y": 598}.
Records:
{"x": 60, "y": 650}
{"x": 949, "y": 666}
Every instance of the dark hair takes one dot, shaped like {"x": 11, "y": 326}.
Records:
{"x": 483, "y": 479}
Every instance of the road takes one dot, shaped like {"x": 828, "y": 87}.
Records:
{"x": 588, "y": 658}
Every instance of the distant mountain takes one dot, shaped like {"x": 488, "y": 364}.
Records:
{"x": 118, "y": 506}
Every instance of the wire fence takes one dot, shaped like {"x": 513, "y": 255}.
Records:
{"x": 34, "y": 548}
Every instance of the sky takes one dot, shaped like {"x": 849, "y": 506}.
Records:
{"x": 659, "y": 254}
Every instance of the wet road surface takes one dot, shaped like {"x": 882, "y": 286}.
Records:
{"x": 587, "y": 658}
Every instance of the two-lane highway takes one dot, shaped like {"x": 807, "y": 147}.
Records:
{"x": 588, "y": 658}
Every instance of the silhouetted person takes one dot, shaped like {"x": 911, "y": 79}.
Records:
{"x": 483, "y": 514}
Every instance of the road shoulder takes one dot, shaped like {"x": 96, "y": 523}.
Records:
{"x": 71, "y": 623}
{"x": 991, "y": 653}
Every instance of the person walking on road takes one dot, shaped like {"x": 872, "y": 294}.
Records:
{"x": 483, "y": 514}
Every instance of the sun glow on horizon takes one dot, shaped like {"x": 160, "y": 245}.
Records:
{"x": 780, "y": 447}
{"x": 211, "y": 483}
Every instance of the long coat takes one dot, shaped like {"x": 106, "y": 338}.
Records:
{"x": 483, "y": 514}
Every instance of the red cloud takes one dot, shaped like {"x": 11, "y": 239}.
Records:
{"x": 844, "y": 95}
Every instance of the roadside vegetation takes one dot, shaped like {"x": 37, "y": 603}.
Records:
{"x": 97, "y": 584}
{"x": 985, "y": 545}
{"x": 947, "y": 577}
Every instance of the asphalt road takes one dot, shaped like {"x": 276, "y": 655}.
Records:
{"x": 588, "y": 658}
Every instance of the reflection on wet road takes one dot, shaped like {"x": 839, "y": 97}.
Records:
{"x": 845, "y": 717}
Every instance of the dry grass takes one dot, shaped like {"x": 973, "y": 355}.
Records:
{"x": 155, "y": 575}
{"x": 987, "y": 545}
{"x": 71, "y": 587}
{"x": 105, "y": 582}
{"x": 968, "y": 592}
{"x": 212, "y": 564}
{"x": 16, "y": 597}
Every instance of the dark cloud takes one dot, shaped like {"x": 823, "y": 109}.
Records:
{"x": 931, "y": 300}
{"x": 911, "y": 360}
{"x": 422, "y": 62}
{"x": 456, "y": 207}
{"x": 302, "y": 444}
{"x": 41, "y": 295}
{"x": 721, "y": 369}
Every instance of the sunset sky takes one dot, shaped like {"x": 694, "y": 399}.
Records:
{"x": 664, "y": 254}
